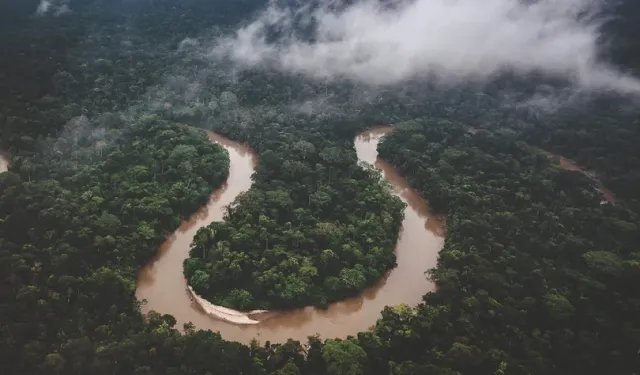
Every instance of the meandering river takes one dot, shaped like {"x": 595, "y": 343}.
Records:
{"x": 162, "y": 284}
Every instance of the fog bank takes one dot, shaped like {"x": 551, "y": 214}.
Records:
{"x": 450, "y": 41}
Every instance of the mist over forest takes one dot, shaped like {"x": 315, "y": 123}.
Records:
{"x": 517, "y": 121}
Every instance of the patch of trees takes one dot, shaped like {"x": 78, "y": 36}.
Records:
{"x": 598, "y": 140}
{"x": 72, "y": 237}
{"x": 533, "y": 277}
{"x": 315, "y": 227}
{"x": 534, "y": 274}
{"x": 103, "y": 56}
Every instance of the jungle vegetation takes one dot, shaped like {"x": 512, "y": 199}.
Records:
{"x": 315, "y": 227}
{"x": 534, "y": 277}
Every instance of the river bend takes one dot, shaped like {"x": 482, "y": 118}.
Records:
{"x": 162, "y": 284}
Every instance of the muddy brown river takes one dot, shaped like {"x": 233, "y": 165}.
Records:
{"x": 162, "y": 284}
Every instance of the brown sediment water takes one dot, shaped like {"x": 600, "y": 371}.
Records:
{"x": 162, "y": 283}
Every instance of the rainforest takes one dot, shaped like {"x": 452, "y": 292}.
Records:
{"x": 379, "y": 187}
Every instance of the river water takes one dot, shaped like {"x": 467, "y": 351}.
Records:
{"x": 162, "y": 283}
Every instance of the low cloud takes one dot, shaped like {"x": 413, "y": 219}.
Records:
{"x": 43, "y": 7}
{"x": 451, "y": 41}
{"x": 54, "y": 7}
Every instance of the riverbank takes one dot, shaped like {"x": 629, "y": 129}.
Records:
{"x": 163, "y": 285}
{"x": 224, "y": 313}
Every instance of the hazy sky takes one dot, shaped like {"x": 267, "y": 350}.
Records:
{"x": 452, "y": 40}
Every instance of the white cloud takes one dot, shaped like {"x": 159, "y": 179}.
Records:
{"x": 450, "y": 40}
{"x": 62, "y": 9}
{"x": 55, "y": 7}
{"x": 43, "y": 7}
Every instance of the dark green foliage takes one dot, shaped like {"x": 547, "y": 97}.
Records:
{"x": 599, "y": 140}
{"x": 536, "y": 276}
{"x": 343, "y": 357}
{"x": 74, "y": 236}
{"x": 315, "y": 226}
{"x": 535, "y": 271}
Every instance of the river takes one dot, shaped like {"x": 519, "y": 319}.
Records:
{"x": 162, "y": 284}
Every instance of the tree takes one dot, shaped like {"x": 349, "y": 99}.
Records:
{"x": 240, "y": 299}
{"x": 558, "y": 305}
{"x": 200, "y": 280}
{"x": 54, "y": 362}
{"x": 289, "y": 368}
{"x": 343, "y": 357}
{"x": 604, "y": 262}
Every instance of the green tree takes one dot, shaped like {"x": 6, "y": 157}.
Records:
{"x": 343, "y": 357}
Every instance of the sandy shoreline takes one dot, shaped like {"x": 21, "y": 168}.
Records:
{"x": 224, "y": 313}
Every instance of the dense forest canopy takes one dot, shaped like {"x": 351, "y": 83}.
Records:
{"x": 535, "y": 274}
{"x": 314, "y": 228}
